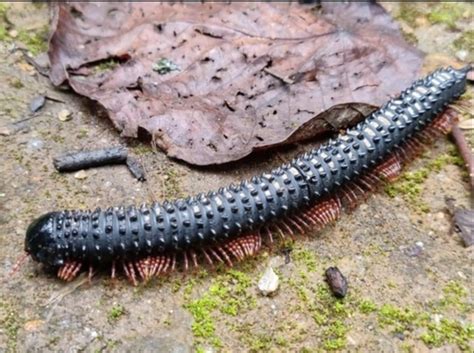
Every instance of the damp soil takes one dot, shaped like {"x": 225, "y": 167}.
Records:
{"x": 409, "y": 277}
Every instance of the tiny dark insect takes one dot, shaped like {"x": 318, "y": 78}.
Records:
{"x": 230, "y": 224}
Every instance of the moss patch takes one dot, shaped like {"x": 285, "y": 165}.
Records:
{"x": 410, "y": 184}
{"x": 172, "y": 187}
{"x": 449, "y": 14}
{"x": 10, "y": 324}
{"x": 229, "y": 295}
{"x": 36, "y": 42}
{"x": 105, "y": 65}
{"x": 432, "y": 325}
{"x": 409, "y": 12}
{"x": 116, "y": 312}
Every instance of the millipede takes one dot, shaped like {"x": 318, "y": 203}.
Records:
{"x": 232, "y": 223}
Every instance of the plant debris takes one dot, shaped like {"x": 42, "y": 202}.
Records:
{"x": 165, "y": 66}
{"x": 250, "y": 76}
{"x": 336, "y": 281}
{"x": 464, "y": 222}
{"x": 87, "y": 159}
{"x": 136, "y": 168}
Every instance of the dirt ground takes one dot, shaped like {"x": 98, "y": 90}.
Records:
{"x": 410, "y": 278}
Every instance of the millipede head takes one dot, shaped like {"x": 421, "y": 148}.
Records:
{"x": 40, "y": 242}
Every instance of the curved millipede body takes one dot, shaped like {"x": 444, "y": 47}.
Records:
{"x": 228, "y": 224}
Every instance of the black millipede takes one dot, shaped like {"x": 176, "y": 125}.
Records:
{"x": 230, "y": 224}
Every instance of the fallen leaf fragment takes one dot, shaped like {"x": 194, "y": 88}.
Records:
{"x": 212, "y": 82}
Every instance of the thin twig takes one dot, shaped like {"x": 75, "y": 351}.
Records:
{"x": 285, "y": 80}
{"x": 465, "y": 152}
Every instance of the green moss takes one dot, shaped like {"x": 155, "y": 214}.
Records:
{"x": 15, "y": 82}
{"x": 36, "y": 42}
{"x": 141, "y": 148}
{"x": 3, "y": 33}
{"x": 3, "y": 9}
{"x": 82, "y": 133}
{"x": 409, "y": 12}
{"x": 10, "y": 324}
{"x": 306, "y": 257}
{"x": 367, "y": 306}
{"x": 400, "y": 319}
{"x": 410, "y": 184}
{"x": 203, "y": 325}
{"x": 108, "y": 64}
{"x": 327, "y": 312}
{"x": 335, "y": 334}
{"x": 115, "y": 313}
{"x": 454, "y": 296}
{"x": 449, "y": 331}
{"x": 172, "y": 187}
{"x": 229, "y": 295}
{"x": 164, "y": 66}
{"x": 447, "y": 14}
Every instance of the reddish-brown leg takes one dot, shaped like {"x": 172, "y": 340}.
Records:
{"x": 69, "y": 270}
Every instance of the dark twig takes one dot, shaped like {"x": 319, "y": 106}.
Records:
{"x": 86, "y": 159}
{"x": 136, "y": 168}
{"x": 465, "y": 152}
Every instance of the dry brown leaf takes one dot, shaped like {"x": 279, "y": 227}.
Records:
{"x": 213, "y": 82}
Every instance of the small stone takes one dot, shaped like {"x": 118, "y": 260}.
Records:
{"x": 437, "y": 318}
{"x": 467, "y": 124}
{"x": 5, "y": 131}
{"x": 37, "y": 103}
{"x": 81, "y": 175}
{"x": 400, "y": 336}
{"x": 34, "y": 145}
{"x": 420, "y": 244}
{"x": 268, "y": 283}
{"x": 415, "y": 250}
{"x": 65, "y": 115}
{"x": 13, "y": 33}
{"x": 462, "y": 54}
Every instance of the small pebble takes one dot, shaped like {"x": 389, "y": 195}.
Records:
{"x": 269, "y": 282}
{"x": 80, "y": 175}
{"x": 65, "y": 115}
{"x": 462, "y": 54}
{"x": 34, "y": 145}
{"x": 37, "y": 103}
{"x": 415, "y": 249}
{"x": 5, "y": 131}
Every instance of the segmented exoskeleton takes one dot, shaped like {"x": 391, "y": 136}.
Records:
{"x": 228, "y": 224}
